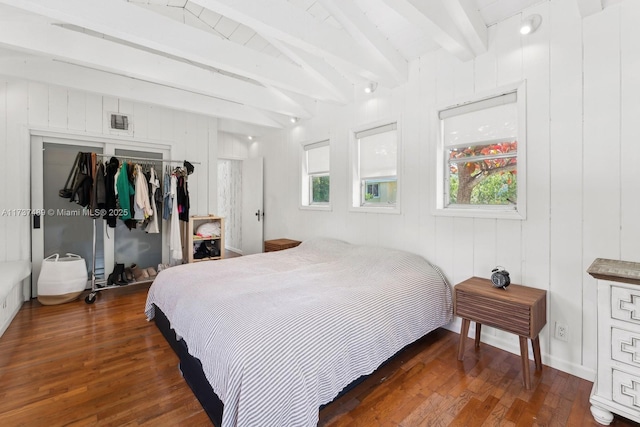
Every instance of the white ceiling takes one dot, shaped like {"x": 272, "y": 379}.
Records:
{"x": 252, "y": 63}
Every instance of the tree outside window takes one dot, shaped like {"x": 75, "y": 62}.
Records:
{"x": 320, "y": 189}
{"x": 484, "y": 174}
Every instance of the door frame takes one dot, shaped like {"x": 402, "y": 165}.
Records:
{"x": 108, "y": 144}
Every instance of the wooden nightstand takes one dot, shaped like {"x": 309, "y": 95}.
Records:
{"x": 517, "y": 309}
{"x": 280, "y": 244}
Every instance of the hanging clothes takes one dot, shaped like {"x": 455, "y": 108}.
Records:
{"x": 154, "y": 184}
{"x": 111, "y": 203}
{"x": 175, "y": 240}
{"x": 125, "y": 191}
{"x": 183, "y": 196}
{"x": 141, "y": 208}
{"x": 83, "y": 182}
{"x": 97, "y": 190}
{"x": 167, "y": 203}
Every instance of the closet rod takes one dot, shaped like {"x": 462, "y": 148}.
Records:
{"x": 145, "y": 159}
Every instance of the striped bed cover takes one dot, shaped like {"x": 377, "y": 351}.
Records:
{"x": 281, "y": 333}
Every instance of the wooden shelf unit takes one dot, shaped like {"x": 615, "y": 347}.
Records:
{"x": 192, "y": 238}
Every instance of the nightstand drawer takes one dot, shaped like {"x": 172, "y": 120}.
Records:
{"x": 625, "y": 347}
{"x": 506, "y": 315}
{"x": 625, "y": 304}
{"x": 626, "y": 389}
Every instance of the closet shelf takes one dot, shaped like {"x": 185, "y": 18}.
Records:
{"x": 197, "y": 238}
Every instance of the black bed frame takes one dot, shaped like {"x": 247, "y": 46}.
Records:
{"x": 192, "y": 372}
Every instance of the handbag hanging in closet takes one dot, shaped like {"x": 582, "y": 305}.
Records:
{"x": 67, "y": 191}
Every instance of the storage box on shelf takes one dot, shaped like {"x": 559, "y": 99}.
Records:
{"x": 214, "y": 244}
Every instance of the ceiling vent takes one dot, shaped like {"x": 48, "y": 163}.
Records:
{"x": 119, "y": 122}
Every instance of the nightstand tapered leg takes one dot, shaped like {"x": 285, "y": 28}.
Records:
{"x": 524, "y": 355}
{"x": 535, "y": 343}
{"x": 478, "y": 329}
{"x": 464, "y": 331}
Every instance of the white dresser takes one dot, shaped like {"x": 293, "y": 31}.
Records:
{"x": 616, "y": 389}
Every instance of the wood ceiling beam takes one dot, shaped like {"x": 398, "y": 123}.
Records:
{"x": 56, "y": 42}
{"x": 355, "y": 22}
{"x": 317, "y": 67}
{"x": 434, "y": 20}
{"x": 89, "y": 80}
{"x": 589, "y": 7}
{"x": 467, "y": 17}
{"x": 131, "y": 23}
{"x": 279, "y": 19}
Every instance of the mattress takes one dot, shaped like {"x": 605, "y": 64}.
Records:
{"x": 279, "y": 334}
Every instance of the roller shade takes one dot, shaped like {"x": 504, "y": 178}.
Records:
{"x": 378, "y": 152}
{"x": 491, "y": 120}
{"x": 317, "y": 157}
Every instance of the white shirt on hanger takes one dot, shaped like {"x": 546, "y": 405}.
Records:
{"x": 155, "y": 184}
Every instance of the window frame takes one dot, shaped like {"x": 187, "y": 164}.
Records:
{"x": 306, "y": 182}
{"x": 356, "y": 195}
{"x": 516, "y": 211}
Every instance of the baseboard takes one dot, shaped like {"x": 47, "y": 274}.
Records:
{"x": 514, "y": 348}
{"x": 232, "y": 249}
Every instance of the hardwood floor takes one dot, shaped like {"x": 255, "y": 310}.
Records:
{"x": 104, "y": 364}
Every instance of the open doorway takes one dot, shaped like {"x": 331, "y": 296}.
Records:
{"x": 230, "y": 203}
{"x": 240, "y": 202}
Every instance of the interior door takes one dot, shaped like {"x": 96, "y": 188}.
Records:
{"x": 252, "y": 206}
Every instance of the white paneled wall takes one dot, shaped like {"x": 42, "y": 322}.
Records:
{"x": 583, "y": 182}
{"x": 27, "y": 105}
{"x": 231, "y": 146}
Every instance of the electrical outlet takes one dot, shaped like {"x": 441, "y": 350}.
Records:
{"x": 562, "y": 332}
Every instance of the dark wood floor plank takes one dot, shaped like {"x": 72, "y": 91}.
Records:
{"x": 105, "y": 365}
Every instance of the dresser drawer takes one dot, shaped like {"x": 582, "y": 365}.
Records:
{"x": 625, "y": 347}
{"x": 509, "y": 316}
{"x": 625, "y": 304}
{"x": 626, "y": 389}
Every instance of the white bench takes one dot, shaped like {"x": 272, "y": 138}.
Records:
{"x": 12, "y": 275}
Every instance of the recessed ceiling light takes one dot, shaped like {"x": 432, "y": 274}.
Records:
{"x": 250, "y": 138}
{"x": 294, "y": 119}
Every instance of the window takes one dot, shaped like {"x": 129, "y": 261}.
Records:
{"x": 315, "y": 174}
{"x": 482, "y": 148}
{"x": 373, "y": 190}
{"x": 376, "y": 167}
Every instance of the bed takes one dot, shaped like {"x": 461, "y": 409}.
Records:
{"x": 267, "y": 339}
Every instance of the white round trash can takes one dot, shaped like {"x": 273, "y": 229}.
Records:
{"x": 62, "y": 279}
